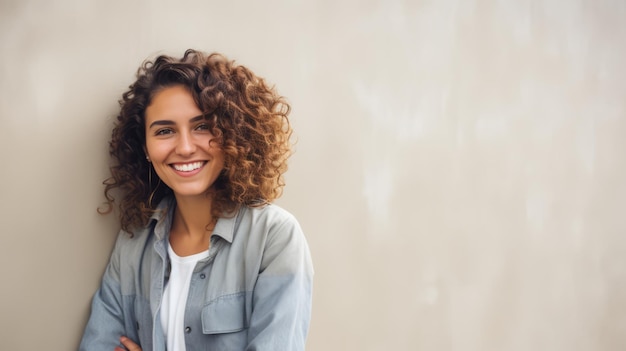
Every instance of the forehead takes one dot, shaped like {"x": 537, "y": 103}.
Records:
{"x": 172, "y": 103}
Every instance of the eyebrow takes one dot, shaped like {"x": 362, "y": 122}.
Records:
{"x": 166, "y": 122}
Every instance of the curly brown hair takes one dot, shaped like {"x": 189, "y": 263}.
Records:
{"x": 248, "y": 118}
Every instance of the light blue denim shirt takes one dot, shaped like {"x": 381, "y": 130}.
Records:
{"x": 253, "y": 291}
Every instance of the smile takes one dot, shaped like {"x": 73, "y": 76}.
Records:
{"x": 188, "y": 167}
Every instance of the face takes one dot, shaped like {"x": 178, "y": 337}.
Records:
{"x": 178, "y": 143}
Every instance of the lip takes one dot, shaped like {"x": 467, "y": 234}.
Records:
{"x": 189, "y": 173}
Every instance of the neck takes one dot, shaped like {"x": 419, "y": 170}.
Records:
{"x": 193, "y": 216}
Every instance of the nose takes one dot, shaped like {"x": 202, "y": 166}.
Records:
{"x": 185, "y": 145}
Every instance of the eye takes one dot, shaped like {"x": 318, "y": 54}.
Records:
{"x": 164, "y": 131}
{"x": 203, "y": 127}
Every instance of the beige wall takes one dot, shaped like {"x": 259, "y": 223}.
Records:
{"x": 460, "y": 170}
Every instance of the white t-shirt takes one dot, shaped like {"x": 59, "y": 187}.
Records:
{"x": 175, "y": 298}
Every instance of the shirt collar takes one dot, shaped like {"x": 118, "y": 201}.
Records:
{"x": 164, "y": 213}
{"x": 163, "y": 216}
{"x": 225, "y": 226}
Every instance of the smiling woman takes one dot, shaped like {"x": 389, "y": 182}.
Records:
{"x": 178, "y": 143}
{"x": 204, "y": 260}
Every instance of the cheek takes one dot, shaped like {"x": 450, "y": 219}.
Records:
{"x": 219, "y": 157}
{"x": 148, "y": 147}
{"x": 156, "y": 151}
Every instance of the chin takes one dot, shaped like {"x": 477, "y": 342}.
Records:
{"x": 190, "y": 192}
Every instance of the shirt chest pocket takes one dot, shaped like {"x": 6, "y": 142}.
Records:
{"x": 226, "y": 314}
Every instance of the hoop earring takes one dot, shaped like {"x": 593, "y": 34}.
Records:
{"x": 150, "y": 184}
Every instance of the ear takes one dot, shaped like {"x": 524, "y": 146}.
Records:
{"x": 145, "y": 151}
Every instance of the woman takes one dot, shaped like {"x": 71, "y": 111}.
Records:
{"x": 204, "y": 261}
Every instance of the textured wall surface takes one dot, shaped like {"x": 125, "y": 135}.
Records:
{"x": 459, "y": 172}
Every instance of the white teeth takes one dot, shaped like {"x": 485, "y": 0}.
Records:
{"x": 188, "y": 167}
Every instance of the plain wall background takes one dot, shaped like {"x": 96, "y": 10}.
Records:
{"x": 459, "y": 173}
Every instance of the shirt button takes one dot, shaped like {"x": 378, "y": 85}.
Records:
{"x": 202, "y": 275}
{"x": 188, "y": 330}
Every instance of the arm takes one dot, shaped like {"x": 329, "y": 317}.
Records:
{"x": 106, "y": 322}
{"x": 282, "y": 295}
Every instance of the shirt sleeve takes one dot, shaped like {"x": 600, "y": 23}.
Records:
{"x": 281, "y": 302}
{"x": 106, "y": 322}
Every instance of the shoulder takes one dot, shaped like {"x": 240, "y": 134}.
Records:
{"x": 268, "y": 214}
{"x": 281, "y": 239}
{"x": 260, "y": 224}
{"x": 128, "y": 243}
{"x": 268, "y": 220}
